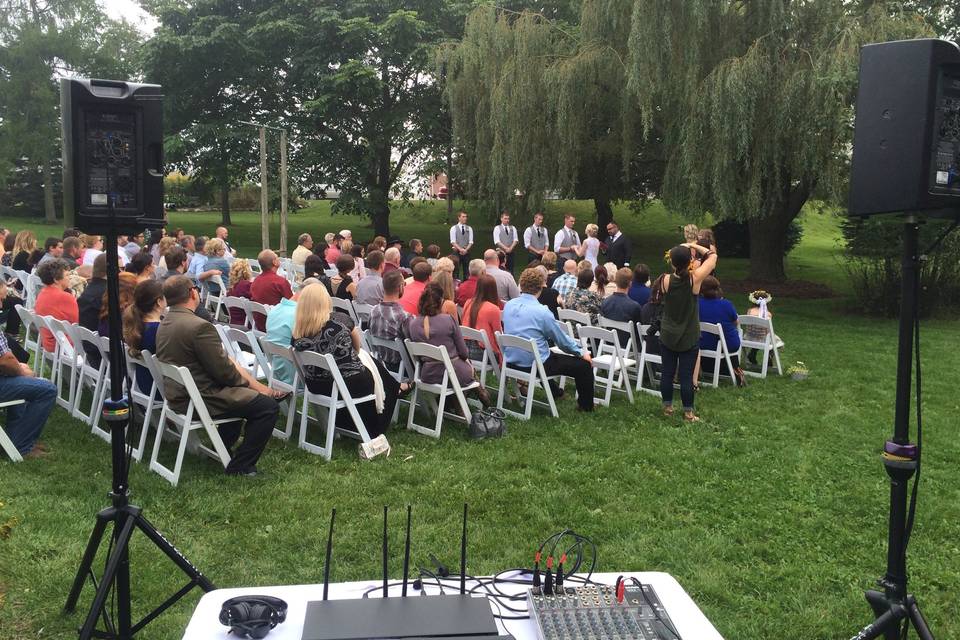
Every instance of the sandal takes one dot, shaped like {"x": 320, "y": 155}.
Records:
{"x": 691, "y": 417}
{"x": 668, "y": 412}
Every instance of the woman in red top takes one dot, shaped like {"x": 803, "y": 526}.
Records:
{"x": 54, "y": 299}
{"x": 483, "y": 310}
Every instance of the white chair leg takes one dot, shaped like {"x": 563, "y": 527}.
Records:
{"x": 7, "y": 445}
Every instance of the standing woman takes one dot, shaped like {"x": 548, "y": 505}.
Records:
{"x": 680, "y": 324}
{"x": 590, "y": 248}
{"x": 317, "y": 327}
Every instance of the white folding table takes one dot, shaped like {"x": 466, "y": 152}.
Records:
{"x": 689, "y": 621}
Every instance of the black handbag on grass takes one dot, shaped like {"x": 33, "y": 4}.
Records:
{"x": 487, "y": 423}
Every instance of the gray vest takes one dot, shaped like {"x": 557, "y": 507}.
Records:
{"x": 539, "y": 241}
{"x": 569, "y": 237}
{"x": 505, "y": 234}
{"x": 463, "y": 234}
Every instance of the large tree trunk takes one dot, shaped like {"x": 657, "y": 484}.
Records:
{"x": 50, "y": 212}
{"x": 225, "y": 203}
{"x": 380, "y": 213}
{"x": 768, "y": 237}
{"x": 604, "y": 214}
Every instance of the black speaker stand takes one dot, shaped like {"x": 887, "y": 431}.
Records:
{"x": 894, "y": 606}
{"x": 123, "y": 515}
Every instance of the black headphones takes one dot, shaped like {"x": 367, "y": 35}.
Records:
{"x": 253, "y": 616}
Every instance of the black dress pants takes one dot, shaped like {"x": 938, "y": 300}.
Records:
{"x": 561, "y": 364}
{"x": 261, "y": 416}
{"x": 361, "y": 384}
{"x": 10, "y": 312}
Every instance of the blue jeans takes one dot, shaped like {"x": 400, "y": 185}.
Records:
{"x": 26, "y": 421}
{"x": 686, "y": 361}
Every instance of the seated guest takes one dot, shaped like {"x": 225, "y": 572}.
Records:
{"x": 89, "y": 304}
{"x": 410, "y": 300}
{"x": 241, "y": 279}
{"x": 141, "y": 320}
{"x": 54, "y": 300}
{"x": 448, "y": 264}
{"x": 432, "y": 326}
{"x": 321, "y": 329}
{"x": 391, "y": 258}
{"x": 445, "y": 280}
{"x": 128, "y": 284}
{"x": 381, "y": 243}
{"x": 549, "y": 297}
{"x": 304, "y": 249}
{"x": 468, "y": 287}
{"x": 316, "y": 268}
{"x": 268, "y": 288}
{"x": 527, "y": 318}
{"x": 416, "y": 249}
{"x": 198, "y": 260}
{"x": 280, "y": 321}
{"x": 73, "y": 251}
{"x": 433, "y": 254}
{"x": 583, "y": 298}
{"x": 52, "y": 250}
{"x": 360, "y": 265}
{"x": 639, "y": 291}
{"x": 506, "y": 286}
{"x": 601, "y": 280}
{"x": 651, "y": 313}
{"x": 715, "y": 309}
{"x": 227, "y": 389}
{"x": 131, "y": 247}
{"x": 567, "y": 281}
{"x": 333, "y": 249}
{"x": 141, "y": 266}
{"x": 163, "y": 247}
{"x": 343, "y": 285}
{"x": 388, "y": 319}
{"x": 549, "y": 261}
{"x": 619, "y": 306}
{"x": 24, "y": 421}
{"x": 24, "y": 244}
{"x": 216, "y": 264}
{"x": 176, "y": 260}
{"x": 370, "y": 289}
{"x": 93, "y": 248}
{"x": 483, "y": 311}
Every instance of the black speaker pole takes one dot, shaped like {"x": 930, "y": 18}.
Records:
{"x": 893, "y": 606}
{"x": 124, "y": 516}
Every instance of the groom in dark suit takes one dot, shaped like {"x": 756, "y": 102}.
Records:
{"x": 618, "y": 245}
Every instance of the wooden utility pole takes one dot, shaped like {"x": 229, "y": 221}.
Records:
{"x": 283, "y": 193}
{"x": 264, "y": 215}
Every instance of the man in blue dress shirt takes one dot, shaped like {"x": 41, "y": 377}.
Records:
{"x": 527, "y": 318}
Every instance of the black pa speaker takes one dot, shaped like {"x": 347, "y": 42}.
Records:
{"x": 112, "y": 155}
{"x": 906, "y": 145}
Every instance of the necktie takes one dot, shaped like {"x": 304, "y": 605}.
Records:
{"x": 463, "y": 230}
{"x": 539, "y": 232}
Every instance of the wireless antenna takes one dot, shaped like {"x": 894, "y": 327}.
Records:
{"x": 463, "y": 554}
{"x": 406, "y": 555}
{"x": 384, "y": 551}
{"x": 326, "y": 562}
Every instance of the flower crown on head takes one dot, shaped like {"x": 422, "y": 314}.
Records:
{"x": 756, "y": 296}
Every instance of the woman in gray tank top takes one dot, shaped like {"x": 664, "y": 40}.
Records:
{"x": 680, "y": 323}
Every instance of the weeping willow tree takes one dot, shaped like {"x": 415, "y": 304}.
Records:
{"x": 737, "y": 108}
{"x": 538, "y": 105}
{"x": 761, "y": 93}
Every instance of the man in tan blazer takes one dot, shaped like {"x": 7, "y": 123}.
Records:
{"x": 228, "y": 390}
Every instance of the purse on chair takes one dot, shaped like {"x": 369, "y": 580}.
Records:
{"x": 488, "y": 423}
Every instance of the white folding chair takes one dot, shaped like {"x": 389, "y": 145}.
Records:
{"x": 5, "y": 442}
{"x": 448, "y": 386}
{"x": 251, "y": 358}
{"x": 346, "y": 307}
{"x": 262, "y": 309}
{"x": 488, "y": 360}
{"x": 577, "y": 318}
{"x": 720, "y": 352}
{"x": 32, "y": 287}
{"x": 534, "y": 377}
{"x": 89, "y": 377}
{"x": 770, "y": 343}
{"x": 147, "y": 400}
{"x": 254, "y": 266}
{"x": 274, "y": 352}
{"x": 214, "y": 301}
{"x": 24, "y": 278}
{"x": 68, "y": 362}
{"x": 401, "y": 368}
{"x": 196, "y": 418}
{"x": 363, "y": 313}
{"x": 339, "y": 398}
{"x": 647, "y": 361}
{"x": 29, "y": 325}
{"x": 608, "y": 359}
{"x": 629, "y": 341}
{"x": 42, "y": 323}
{"x": 236, "y": 302}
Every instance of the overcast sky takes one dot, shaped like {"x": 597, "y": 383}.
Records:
{"x": 131, "y": 12}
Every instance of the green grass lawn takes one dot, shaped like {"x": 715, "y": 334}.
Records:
{"x": 772, "y": 513}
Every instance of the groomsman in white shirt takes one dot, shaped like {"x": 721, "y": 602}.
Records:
{"x": 567, "y": 241}
{"x": 461, "y": 239}
{"x": 505, "y": 238}
{"x": 536, "y": 238}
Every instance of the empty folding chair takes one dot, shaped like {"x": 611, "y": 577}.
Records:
{"x": 448, "y": 386}
{"x": 196, "y": 418}
{"x": 94, "y": 378}
{"x": 240, "y": 304}
{"x": 5, "y": 442}
{"x": 647, "y": 361}
{"x": 757, "y": 333}
{"x": 32, "y": 285}
{"x": 609, "y": 360}
{"x": 482, "y": 357}
{"x": 629, "y": 342}
{"x": 214, "y": 301}
{"x": 67, "y": 363}
{"x": 280, "y": 359}
{"x": 719, "y": 354}
{"x": 148, "y": 402}
{"x": 534, "y": 377}
{"x": 30, "y": 344}
{"x": 339, "y": 398}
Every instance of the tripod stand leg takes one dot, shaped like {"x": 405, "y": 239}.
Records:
{"x": 117, "y": 556}
{"x": 173, "y": 553}
{"x": 880, "y": 605}
{"x": 87, "y": 562}
{"x": 884, "y": 625}
{"x": 919, "y": 623}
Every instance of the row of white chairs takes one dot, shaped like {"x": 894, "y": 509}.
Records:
{"x": 30, "y": 283}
